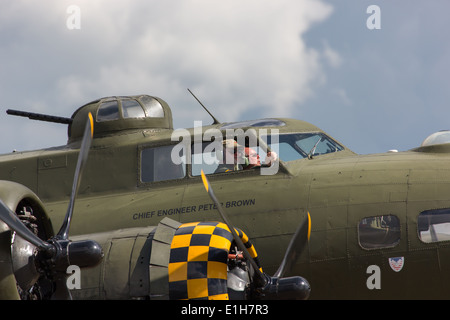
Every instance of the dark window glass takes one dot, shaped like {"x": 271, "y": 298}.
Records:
{"x": 379, "y": 232}
{"x": 108, "y": 110}
{"x": 158, "y": 164}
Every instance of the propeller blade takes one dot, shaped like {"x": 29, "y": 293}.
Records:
{"x": 275, "y": 287}
{"x": 260, "y": 276}
{"x": 14, "y": 223}
{"x": 82, "y": 159}
{"x": 54, "y": 255}
{"x": 295, "y": 247}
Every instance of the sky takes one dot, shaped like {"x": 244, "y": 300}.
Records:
{"x": 374, "y": 78}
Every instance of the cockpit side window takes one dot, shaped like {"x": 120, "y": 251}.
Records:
{"x": 229, "y": 156}
{"x": 157, "y": 164}
{"x": 295, "y": 146}
{"x": 212, "y": 157}
{"x": 205, "y": 157}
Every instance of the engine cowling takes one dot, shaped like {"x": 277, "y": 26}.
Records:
{"x": 170, "y": 261}
{"x": 14, "y": 251}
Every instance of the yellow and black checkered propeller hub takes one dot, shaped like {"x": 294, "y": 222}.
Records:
{"x": 198, "y": 260}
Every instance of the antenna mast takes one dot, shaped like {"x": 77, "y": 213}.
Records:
{"x": 215, "y": 120}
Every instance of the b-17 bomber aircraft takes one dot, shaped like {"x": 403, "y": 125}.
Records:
{"x": 131, "y": 208}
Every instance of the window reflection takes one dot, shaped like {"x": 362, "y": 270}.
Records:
{"x": 379, "y": 232}
{"x": 108, "y": 110}
{"x": 157, "y": 165}
{"x": 144, "y": 107}
{"x": 152, "y": 107}
{"x": 208, "y": 156}
{"x": 434, "y": 225}
{"x": 294, "y": 146}
{"x": 132, "y": 109}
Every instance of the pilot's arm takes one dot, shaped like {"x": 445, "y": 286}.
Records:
{"x": 271, "y": 157}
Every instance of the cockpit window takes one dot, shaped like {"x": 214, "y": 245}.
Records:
{"x": 206, "y": 157}
{"x": 434, "y": 225}
{"x": 211, "y": 157}
{"x": 108, "y": 110}
{"x": 294, "y": 146}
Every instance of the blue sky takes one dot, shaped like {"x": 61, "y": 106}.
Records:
{"x": 315, "y": 60}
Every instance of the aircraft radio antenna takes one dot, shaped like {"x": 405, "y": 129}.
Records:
{"x": 214, "y": 118}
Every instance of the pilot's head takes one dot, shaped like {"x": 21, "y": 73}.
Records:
{"x": 253, "y": 158}
{"x": 232, "y": 151}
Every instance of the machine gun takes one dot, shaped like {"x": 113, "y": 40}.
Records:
{"x": 39, "y": 116}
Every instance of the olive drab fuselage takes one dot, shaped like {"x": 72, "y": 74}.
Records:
{"x": 372, "y": 216}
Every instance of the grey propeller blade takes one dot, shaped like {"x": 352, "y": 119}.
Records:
{"x": 82, "y": 159}
{"x": 261, "y": 277}
{"x": 295, "y": 247}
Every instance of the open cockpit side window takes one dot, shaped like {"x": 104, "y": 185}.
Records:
{"x": 213, "y": 157}
{"x": 229, "y": 156}
{"x": 209, "y": 157}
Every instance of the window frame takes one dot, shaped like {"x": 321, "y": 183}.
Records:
{"x": 145, "y": 108}
{"x": 141, "y": 160}
{"x": 125, "y": 109}
{"x": 100, "y": 118}
{"x": 253, "y": 170}
{"x": 438, "y": 215}
{"x": 301, "y": 152}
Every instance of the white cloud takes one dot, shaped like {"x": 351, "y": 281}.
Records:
{"x": 239, "y": 56}
{"x": 244, "y": 54}
{"x": 332, "y": 57}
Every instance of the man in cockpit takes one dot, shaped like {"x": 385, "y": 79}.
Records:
{"x": 236, "y": 157}
{"x": 253, "y": 160}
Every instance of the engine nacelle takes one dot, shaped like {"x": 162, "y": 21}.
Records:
{"x": 14, "y": 251}
{"x": 170, "y": 261}
{"x": 21, "y": 199}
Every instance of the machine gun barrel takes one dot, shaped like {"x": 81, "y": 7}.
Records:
{"x": 39, "y": 116}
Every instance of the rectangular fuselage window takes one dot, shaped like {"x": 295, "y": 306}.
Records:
{"x": 158, "y": 164}
{"x": 379, "y": 232}
{"x": 434, "y": 225}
